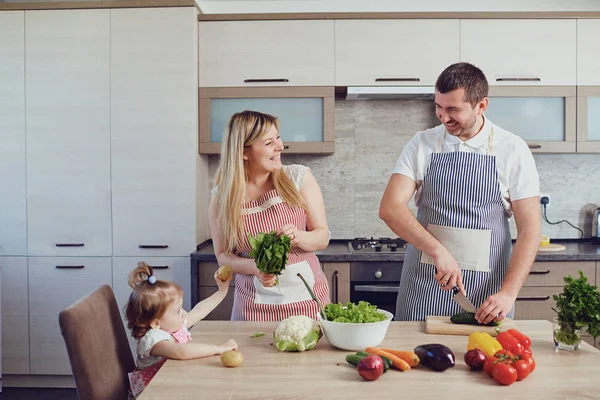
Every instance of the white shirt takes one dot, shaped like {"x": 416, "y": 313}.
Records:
{"x": 515, "y": 164}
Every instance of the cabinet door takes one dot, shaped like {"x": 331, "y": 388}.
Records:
{"x": 588, "y": 119}
{"x": 15, "y": 315}
{"x": 521, "y": 52}
{"x": 266, "y": 53}
{"x": 55, "y": 284}
{"x": 536, "y": 303}
{"x": 338, "y": 277}
{"x": 394, "y": 52}
{"x": 552, "y": 273}
{"x": 13, "y": 236}
{"x": 207, "y": 287}
{"x": 154, "y": 131}
{"x": 68, "y": 132}
{"x": 175, "y": 269}
{"x": 588, "y": 57}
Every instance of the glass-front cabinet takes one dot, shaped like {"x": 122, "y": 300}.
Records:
{"x": 588, "y": 119}
{"x": 305, "y": 115}
{"x": 544, "y": 116}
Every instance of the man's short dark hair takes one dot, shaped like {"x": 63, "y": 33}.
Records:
{"x": 464, "y": 76}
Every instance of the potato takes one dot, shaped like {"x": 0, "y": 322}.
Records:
{"x": 224, "y": 273}
{"x": 232, "y": 358}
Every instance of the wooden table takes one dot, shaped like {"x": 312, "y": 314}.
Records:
{"x": 323, "y": 373}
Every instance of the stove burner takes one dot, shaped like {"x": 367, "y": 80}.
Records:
{"x": 379, "y": 244}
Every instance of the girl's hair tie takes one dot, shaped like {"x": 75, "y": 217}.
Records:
{"x": 152, "y": 279}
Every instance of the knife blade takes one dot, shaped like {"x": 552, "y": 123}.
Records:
{"x": 462, "y": 300}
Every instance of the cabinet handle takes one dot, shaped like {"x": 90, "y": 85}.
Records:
{"x": 534, "y": 146}
{"x": 159, "y": 266}
{"x": 69, "y": 266}
{"x": 531, "y": 79}
{"x": 533, "y": 298}
{"x": 265, "y": 80}
{"x": 286, "y": 147}
{"x": 69, "y": 244}
{"x": 397, "y": 80}
{"x": 376, "y": 288}
{"x": 153, "y": 246}
{"x": 546, "y": 272}
{"x": 334, "y": 284}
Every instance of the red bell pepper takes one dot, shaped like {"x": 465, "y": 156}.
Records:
{"x": 509, "y": 342}
{"x": 522, "y": 338}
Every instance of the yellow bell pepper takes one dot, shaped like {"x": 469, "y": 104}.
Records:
{"x": 484, "y": 342}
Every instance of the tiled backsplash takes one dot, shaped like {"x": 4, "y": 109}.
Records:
{"x": 369, "y": 138}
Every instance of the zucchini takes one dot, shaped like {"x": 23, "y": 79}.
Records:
{"x": 354, "y": 359}
{"x": 468, "y": 318}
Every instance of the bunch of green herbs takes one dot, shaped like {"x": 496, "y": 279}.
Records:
{"x": 353, "y": 313}
{"x": 578, "y": 307}
{"x": 270, "y": 252}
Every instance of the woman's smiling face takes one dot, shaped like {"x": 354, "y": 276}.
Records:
{"x": 265, "y": 154}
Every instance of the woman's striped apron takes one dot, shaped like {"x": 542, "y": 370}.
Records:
{"x": 252, "y": 302}
{"x": 460, "y": 190}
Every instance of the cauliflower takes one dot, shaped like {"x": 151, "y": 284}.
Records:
{"x": 297, "y": 333}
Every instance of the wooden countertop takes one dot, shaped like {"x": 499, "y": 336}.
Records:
{"x": 323, "y": 373}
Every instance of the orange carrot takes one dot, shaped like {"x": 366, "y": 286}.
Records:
{"x": 411, "y": 358}
{"x": 397, "y": 361}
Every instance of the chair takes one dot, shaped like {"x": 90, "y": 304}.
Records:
{"x": 97, "y": 345}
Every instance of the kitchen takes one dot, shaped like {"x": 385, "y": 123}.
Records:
{"x": 125, "y": 214}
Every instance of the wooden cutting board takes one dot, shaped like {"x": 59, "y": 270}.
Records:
{"x": 552, "y": 247}
{"x": 443, "y": 326}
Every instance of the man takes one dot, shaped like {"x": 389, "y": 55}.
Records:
{"x": 469, "y": 177}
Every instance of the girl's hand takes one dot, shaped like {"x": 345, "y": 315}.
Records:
{"x": 293, "y": 233}
{"x": 223, "y": 286}
{"x": 267, "y": 280}
{"x": 229, "y": 345}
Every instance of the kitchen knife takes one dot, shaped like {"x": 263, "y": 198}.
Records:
{"x": 462, "y": 300}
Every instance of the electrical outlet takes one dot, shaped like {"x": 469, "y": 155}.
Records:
{"x": 545, "y": 195}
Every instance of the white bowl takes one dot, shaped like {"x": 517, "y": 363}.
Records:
{"x": 356, "y": 336}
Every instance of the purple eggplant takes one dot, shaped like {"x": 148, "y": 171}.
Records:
{"x": 435, "y": 356}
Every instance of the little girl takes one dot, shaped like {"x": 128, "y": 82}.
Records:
{"x": 160, "y": 325}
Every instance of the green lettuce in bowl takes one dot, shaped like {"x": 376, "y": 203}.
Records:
{"x": 353, "y": 313}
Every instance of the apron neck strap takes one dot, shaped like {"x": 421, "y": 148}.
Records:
{"x": 438, "y": 148}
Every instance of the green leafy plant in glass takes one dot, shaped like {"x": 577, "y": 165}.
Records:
{"x": 577, "y": 307}
{"x": 270, "y": 252}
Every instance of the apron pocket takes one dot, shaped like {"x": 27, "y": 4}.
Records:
{"x": 290, "y": 288}
{"x": 469, "y": 247}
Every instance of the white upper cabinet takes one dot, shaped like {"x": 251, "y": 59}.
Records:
{"x": 154, "y": 130}
{"x": 68, "y": 132}
{"x": 394, "y": 52}
{"x": 266, "y": 53}
{"x": 522, "y": 52}
{"x": 13, "y": 220}
{"x": 588, "y": 54}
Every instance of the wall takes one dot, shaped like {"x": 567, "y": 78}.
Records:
{"x": 369, "y": 138}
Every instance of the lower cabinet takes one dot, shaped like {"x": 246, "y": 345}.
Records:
{"x": 207, "y": 287}
{"x": 54, "y": 284}
{"x": 15, "y": 315}
{"x": 338, "y": 278}
{"x": 175, "y": 269}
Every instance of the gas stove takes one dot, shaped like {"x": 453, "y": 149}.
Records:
{"x": 377, "y": 245}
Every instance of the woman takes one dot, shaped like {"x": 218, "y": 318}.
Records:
{"x": 255, "y": 193}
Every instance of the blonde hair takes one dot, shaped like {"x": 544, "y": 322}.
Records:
{"x": 243, "y": 130}
{"x": 148, "y": 301}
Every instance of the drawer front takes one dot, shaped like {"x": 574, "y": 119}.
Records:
{"x": 55, "y": 284}
{"x": 536, "y": 303}
{"x": 223, "y": 311}
{"x": 551, "y": 273}
{"x": 206, "y": 273}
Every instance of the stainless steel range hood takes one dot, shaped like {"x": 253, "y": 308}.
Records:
{"x": 390, "y": 93}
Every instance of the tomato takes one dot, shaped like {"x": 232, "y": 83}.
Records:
{"x": 488, "y": 365}
{"x": 504, "y": 374}
{"x": 529, "y": 359}
{"x": 522, "y": 368}
{"x": 505, "y": 355}
{"x": 526, "y": 351}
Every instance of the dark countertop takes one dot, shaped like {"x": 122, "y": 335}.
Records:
{"x": 337, "y": 251}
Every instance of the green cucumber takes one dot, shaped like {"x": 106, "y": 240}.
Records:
{"x": 354, "y": 359}
{"x": 468, "y": 318}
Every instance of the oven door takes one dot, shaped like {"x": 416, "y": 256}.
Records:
{"x": 375, "y": 282}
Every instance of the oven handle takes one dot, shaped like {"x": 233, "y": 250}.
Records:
{"x": 376, "y": 288}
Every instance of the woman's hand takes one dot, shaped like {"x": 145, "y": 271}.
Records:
{"x": 223, "y": 286}
{"x": 293, "y": 233}
{"x": 448, "y": 272}
{"x": 267, "y": 280}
